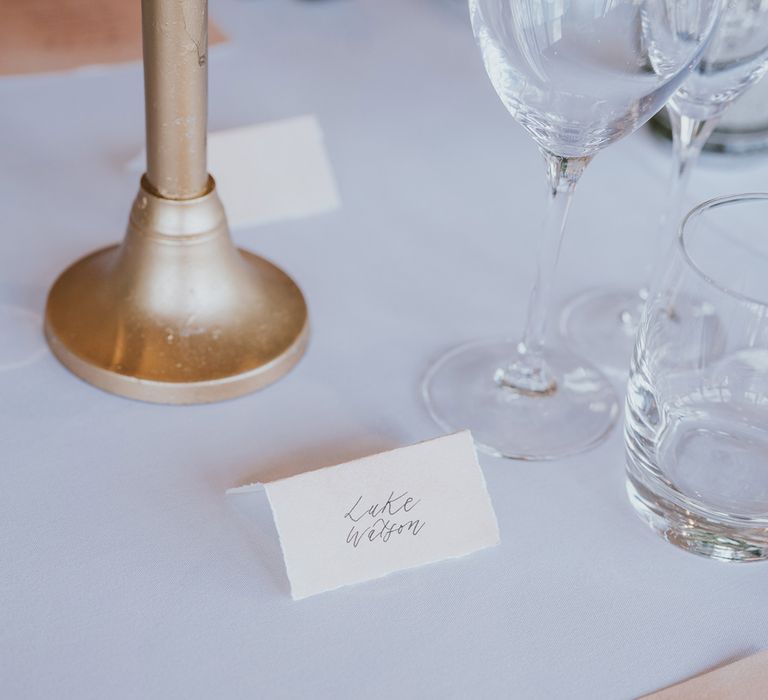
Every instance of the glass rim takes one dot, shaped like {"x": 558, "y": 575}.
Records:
{"x": 698, "y": 211}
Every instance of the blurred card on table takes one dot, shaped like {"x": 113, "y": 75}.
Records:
{"x": 40, "y": 36}
{"x": 269, "y": 172}
{"x": 746, "y": 679}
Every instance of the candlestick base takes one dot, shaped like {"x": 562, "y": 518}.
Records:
{"x": 176, "y": 314}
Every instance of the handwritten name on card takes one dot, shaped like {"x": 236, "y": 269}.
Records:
{"x": 381, "y": 527}
{"x": 391, "y": 511}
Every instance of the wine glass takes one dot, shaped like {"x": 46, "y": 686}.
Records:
{"x": 577, "y": 75}
{"x": 602, "y": 323}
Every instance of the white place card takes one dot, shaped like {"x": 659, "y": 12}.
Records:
{"x": 270, "y": 172}
{"x": 364, "y": 519}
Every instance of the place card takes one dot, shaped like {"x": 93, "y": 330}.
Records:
{"x": 270, "y": 172}
{"x": 746, "y": 679}
{"x": 396, "y": 510}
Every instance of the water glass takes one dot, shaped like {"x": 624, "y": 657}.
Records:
{"x": 696, "y": 429}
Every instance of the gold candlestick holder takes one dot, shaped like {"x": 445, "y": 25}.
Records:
{"x": 176, "y": 314}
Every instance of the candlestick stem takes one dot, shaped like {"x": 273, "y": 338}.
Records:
{"x": 175, "y": 40}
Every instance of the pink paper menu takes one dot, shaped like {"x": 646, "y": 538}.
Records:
{"x": 746, "y": 679}
{"x": 38, "y": 36}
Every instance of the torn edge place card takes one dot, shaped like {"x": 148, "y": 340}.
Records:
{"x": 746, "y": 679}
{"x": 370, "y": 517}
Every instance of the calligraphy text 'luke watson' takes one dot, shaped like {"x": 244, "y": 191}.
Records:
{"x": 382, "y": 528}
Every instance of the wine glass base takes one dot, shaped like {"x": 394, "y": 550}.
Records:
{"x": 461, "y": 393}
{"x": 601, "y": 324}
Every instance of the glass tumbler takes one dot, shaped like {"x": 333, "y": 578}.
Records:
{"x": 696, "y": 429}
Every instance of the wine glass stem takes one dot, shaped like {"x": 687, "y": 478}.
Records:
{"x": 529, "y": 373}
{"x": 688, "y": 138}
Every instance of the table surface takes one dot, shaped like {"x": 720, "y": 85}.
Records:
{"x": 124, "y": 569}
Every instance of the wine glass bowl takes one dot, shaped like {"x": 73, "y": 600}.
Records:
{"x": 735, "y": 59}
{"x": 580, "y": 75}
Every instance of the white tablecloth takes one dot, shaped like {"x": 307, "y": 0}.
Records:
{"x": 126, "y": 572}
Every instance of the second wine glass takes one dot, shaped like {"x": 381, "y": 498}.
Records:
{"x": 602, "y": 322}
{"x": 577, "y": 75}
